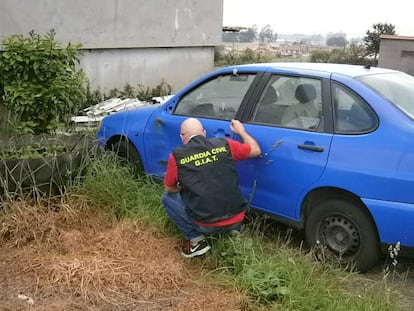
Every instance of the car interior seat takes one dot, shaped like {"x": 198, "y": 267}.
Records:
{"x": 268, "y": 112}
{"x": 360, "y": 118}
{"x": 305, "y": 93}
{"x": 269, "y": 97}
{"x": 203, "y": 110}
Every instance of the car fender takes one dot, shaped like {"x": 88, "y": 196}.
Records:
{"x": 133, "y": 125}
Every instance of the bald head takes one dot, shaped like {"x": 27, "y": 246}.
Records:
{"x": 191, "y": 127}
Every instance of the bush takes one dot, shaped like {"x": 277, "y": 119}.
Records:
{"x": 320, "y": 56}
{"x": 40, "y": 85}
{"x": 222, "y": 58}
{"x": 142, "y": 92}
{"x": 354, "y": 54}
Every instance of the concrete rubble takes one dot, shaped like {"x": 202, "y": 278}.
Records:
{"x": 94, "y": 114}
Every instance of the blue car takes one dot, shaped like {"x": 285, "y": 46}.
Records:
{"x": 337, "y": 147}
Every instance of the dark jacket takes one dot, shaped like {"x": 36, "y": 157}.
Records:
{"x": 208, "y": 177}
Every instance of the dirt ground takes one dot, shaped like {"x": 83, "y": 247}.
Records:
{"x": 82, "y": 260}
{"x": 65, "y": 258}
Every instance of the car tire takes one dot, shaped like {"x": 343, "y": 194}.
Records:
{"x": 344, "y": 232}
{"x": 127, "y": 151}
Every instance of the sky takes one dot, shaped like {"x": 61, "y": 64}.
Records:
{"x": 352, "y": 17}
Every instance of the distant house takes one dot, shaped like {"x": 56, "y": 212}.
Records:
{"x": 293, "y": 49}
{"x": 397, "y": 52}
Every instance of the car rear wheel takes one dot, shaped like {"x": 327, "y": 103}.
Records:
{"x": 127, "y": 151}
{"x": 345, "y": 232}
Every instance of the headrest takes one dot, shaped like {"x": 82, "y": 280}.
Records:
{"x": 270, "y": 96}
{"x": 305, "y": 93}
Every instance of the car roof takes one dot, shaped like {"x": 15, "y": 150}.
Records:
{"x": 331, "y": 68}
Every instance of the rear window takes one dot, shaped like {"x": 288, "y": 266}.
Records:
{"x": 396, "y": 87}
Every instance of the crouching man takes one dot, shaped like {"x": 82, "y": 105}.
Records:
{"x": 202, "y": 194}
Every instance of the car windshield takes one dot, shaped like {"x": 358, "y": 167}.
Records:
{"x": 396, "y": 87}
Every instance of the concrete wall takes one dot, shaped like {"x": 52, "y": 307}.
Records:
{"x": 397, "y": 52}
{"x": 127, "y": 41}
{"x": 174, "y": 66}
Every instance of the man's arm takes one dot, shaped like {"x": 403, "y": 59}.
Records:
{"x": 238, "y": 128}
{"x": 171, "y": 180}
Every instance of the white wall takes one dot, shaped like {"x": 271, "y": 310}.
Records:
{"x": 127, "y": 41}
{"x": 177, "y": 67}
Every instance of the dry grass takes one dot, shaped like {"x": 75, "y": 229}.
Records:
{"x": 73, "y": 258}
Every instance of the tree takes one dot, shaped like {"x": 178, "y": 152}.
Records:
{"x": 336, "y": 41}
{"x": 267, "y": 33}
{"x": 372, "y": 39}
{"x": 249, "y": 35}
{"x": 356, "y": 54}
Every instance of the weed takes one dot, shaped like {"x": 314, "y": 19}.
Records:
{"x": 260, "y": 262}
{"x": 222, "y": 58}
{"x": 139, "y": 91}
{"x": 391, "y": 263}
{"x": 114, "y": 187}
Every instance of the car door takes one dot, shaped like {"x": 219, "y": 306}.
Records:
{"x": 294, "y": 154}
{"x": 214, "y": 101}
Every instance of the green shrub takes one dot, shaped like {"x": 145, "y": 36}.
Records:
{"x": 92, "y": 97}
{"x": 320, "y": 56}
{"x": 354, "y": 54}
{"x": 40, "y": 84}
{"x": 222, "y": 58}
{"x": 141, "y": 92}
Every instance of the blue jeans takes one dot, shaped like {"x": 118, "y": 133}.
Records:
{"x": 175, "y": 208}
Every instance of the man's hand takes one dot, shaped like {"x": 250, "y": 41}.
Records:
{"x": 173, "y": 189}
{"x": 237, "y": 127}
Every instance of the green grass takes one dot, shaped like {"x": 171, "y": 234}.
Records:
{"x": 112, "y": 185}
{"x": 272, "y": 272}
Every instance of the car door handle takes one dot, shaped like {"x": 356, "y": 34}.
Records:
{"x": 221, "y": 133}
{"x": 311, "y": 148}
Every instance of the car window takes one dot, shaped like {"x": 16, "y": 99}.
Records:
{"x": 352, "y": 114}
{"x": 219, "y": 98}
{"x": 396, "y": 87}
{"x": 293, "y": 102}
